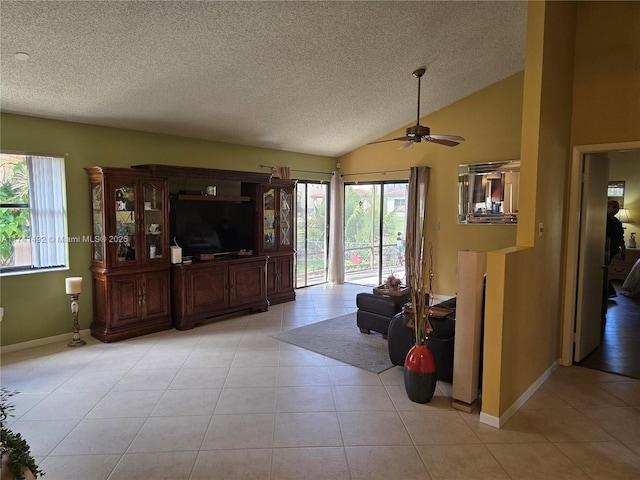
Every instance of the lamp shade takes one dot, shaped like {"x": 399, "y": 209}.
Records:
{"x": 73, "y": 285}
{"x": 623, "y": 215}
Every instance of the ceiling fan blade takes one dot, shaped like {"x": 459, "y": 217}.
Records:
{"x": 455, "y": 138}
{"x": 442, "y": 141}
{"x": 404, "y": 139}
{"x": 407, "y": 144}
{"x": 448, "y": 140}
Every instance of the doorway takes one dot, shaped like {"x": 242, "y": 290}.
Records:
{"x": 576, "y": 243}
{"x": 374, "y": 229}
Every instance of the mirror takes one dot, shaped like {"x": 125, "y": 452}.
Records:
{"x": 488, "y": 192}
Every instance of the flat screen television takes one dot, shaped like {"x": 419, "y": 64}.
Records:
{"x": 218, "y": 227}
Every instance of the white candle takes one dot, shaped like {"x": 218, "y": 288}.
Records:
{"x": 73, "y": 285}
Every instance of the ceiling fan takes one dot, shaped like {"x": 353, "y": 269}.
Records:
{"x": 418, "y": 133}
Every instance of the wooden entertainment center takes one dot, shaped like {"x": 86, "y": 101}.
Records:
{"x": 137, "y": 290}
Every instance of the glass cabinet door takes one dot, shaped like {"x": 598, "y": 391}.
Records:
{"x": 98, "y": 240}
{"x": 154, "y": 228}
{"x": 269, "y": 225}
{"x": 285, "y": 218}
{"x": 125, "y": 214}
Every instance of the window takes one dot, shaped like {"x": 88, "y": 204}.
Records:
{"x": 32, "y": 213}
{"x": 615, "y": 191}
{"x": 312, "y": 233}
{"x": 374, "y": 230}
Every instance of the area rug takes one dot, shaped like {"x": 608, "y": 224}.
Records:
{"x": 340, "y": 339}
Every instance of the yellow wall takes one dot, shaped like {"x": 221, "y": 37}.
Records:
{"x": 581, "y": 84}
{"x": 490, "y": 122}
{"x": 523, "y": 284}
{"x": 606, "y": 92}
{"x": 607, "y": 88}
{"x": 84, "y": 145}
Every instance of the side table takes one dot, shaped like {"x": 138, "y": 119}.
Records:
{"x": 618, "y": 268}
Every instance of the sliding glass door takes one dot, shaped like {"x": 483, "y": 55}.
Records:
{"x": 374, "y": 226}
{"x": 312, "y": 207}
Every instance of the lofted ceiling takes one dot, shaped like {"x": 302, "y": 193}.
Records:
{"x": 312, "y": 77}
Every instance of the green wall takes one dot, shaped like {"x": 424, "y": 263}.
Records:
{"x": 35, "y": 304}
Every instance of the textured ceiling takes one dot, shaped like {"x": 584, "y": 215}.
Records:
{"x": 313, "y": 77}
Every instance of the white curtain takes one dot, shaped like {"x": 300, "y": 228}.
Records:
{"x": 46, "y": 204}
{"x": 416, "y": 208}
{"x": 336, "y": 230}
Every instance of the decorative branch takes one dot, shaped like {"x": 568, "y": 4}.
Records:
{"x": 422, "y": 294}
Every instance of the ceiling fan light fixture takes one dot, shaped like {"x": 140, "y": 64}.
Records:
{"x": 418, "y": 131}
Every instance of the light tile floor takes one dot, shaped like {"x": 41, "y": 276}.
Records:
{"x": 228, "y": 401}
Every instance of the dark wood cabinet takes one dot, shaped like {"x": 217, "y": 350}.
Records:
{"x": 275, "y": 217}
{"x": 129, "y": 253}
{"x": 201, "y": 290}
{"x": 280, "y": 286}
{"x": 124, "y": 296}
{"x": 205, "y": 290}
{"x": 247, "y": 284}
{"x": 155, "y": 294}
{"x": 137, "y": 291}
{"x": 127, "y": 305}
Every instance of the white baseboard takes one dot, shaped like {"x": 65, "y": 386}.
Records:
{"x": 65, "y": 337}
{"x": 490, "y": 420}
{"x": 498, "y": 422}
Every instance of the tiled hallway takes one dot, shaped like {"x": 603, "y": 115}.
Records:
{"x": 227, "y": 401}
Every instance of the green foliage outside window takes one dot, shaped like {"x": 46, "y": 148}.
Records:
{"x": 312, "y": 232}
{"x": 361, "y": 228}
{"x": 14, "y": 190}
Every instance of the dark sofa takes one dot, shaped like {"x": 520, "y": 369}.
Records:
{"x": 441, "y": 340}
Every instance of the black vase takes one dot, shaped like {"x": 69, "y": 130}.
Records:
{"x": 420, "y": 374}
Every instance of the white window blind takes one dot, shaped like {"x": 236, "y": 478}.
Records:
{"x": 47, "y": 207}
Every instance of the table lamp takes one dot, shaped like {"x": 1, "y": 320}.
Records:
{"x": 73, "y": 287}
{"x": 623, "y": 216}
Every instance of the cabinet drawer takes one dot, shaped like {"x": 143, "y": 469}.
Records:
{"x": 619, "y": 269}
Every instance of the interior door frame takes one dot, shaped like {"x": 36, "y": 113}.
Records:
{"x": 572, "y": 239}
